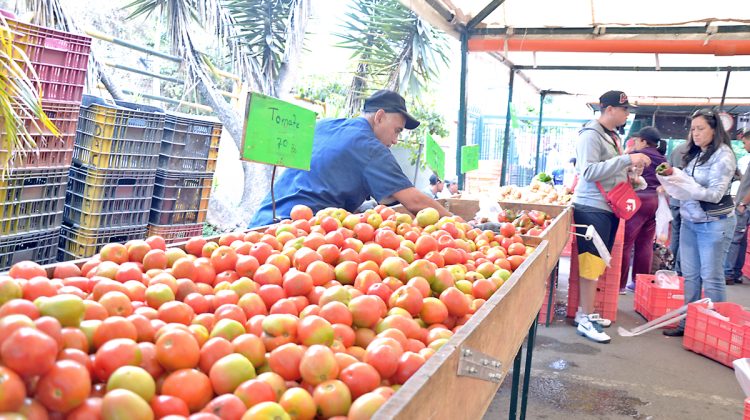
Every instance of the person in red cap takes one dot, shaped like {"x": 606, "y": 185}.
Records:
{"x": 599, "y": 159}
{"x": 351, "y": 161}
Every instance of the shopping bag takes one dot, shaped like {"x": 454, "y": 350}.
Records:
{"x": 679, "y": 185}
{"x": 663, "y": 218}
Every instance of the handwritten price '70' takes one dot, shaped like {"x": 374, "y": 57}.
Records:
{"x": 283, "y": 144}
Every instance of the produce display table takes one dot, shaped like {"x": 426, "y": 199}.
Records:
{"x": 557, "y": 235}
{"x": 497, "y": 330}
{"x": 475, "y": 361}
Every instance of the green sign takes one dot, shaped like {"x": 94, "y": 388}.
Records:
{"x": 277, "y": 133}
{"x": 434, "y": 156}
{"x": 469, "y": 158}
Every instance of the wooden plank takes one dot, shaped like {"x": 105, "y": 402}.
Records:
{"x": 498, "y": 329}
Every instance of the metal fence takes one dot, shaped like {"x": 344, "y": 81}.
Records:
{"x": 556, "y": 146}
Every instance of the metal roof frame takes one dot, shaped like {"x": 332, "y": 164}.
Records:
{"x": 442, "y": 17}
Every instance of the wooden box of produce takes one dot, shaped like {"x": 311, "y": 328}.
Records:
{"x": 498, "y": 330}
{"x": 494, "y": 333}
{"x": 556, "y": 233}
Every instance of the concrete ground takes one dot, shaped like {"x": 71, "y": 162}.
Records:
{"x": 646, "y": 377}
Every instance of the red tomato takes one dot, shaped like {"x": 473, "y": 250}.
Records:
{"x": 64, "y": 387}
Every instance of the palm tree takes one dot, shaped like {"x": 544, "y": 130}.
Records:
{"x": 20, "y": 101}
{"x": 262, "y": 39}
{"x": 263, "y": 48}
{"x": 395, "y": 49}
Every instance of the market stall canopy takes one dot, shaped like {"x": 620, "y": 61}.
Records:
{"x": 677, "y": 50}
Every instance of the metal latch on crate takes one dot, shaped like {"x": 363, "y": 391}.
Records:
{"x": 478, "y": 365}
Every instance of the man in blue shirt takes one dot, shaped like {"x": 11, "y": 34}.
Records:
{"x": 351, "y": 162}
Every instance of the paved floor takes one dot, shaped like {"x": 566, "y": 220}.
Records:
{"x": 646, "y": 377}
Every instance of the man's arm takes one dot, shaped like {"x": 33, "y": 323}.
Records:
{"x": 414, "y": 201}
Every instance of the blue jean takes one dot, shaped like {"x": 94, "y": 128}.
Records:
{"x": 674, "y": 242}
{"x": 737, "y": 247}
{"x": 703, "y": 248}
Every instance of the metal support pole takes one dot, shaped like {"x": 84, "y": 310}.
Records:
{"x": 550, "y": 299}
{"x": 419, "y": 161}
{"x": 542, "y": 95}
{"x": 527, "y": 370}
{"x": 462, "y": 106}
{"x": 514, "y": 387}
{"x": 506, "y": 140}
{"x": 724, "y": 93}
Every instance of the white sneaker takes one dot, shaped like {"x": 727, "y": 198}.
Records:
{"x": 592, "y": 331}
{"x": 603, "y": 322}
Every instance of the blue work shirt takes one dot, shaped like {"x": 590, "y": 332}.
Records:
{"x": 349, "y": 164}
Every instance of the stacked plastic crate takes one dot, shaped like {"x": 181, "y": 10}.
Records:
{"x": 111, "y": 180}
{"x": 32, "y": 193}
{"x": 187, "y": 163}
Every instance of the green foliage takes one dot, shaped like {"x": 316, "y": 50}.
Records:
{"x": 331, "y": 94}
{"x": 262, "y": 28}
{"x": 431, "y": 122}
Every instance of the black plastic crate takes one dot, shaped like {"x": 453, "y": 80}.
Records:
{"x": 32, "y": 200}
{"x": 78, "y": 242}
{"x": 108, "y": 197}
{"x": 179, "y": 198}
{"x": 190, "y": 143}
{"x": 125, "y": 136}
{"x": 37, "y": 246}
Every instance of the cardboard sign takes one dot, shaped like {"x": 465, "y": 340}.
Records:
{"x": 277, "y": 133}
{"x": 469, "y": 158}
{"x": 434, "y": 156}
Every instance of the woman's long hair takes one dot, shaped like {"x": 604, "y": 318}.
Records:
{"x": 720, "y": 137}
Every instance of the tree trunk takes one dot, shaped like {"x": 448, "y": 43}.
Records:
{"x": 257, "y": 176}
{"x": 111, "y": 86}
{"x": 355, "y": 99}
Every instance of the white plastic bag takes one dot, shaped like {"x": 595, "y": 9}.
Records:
{"x": 666, "y": 279}
{"x": 679, "y": 185}
{"x": 488, "y": 210}
{"x": 663, "y": 217}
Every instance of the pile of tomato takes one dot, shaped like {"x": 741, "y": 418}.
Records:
{"x": 321, "y": 316}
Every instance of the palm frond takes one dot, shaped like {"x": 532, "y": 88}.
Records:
{"x": 20, "y": 101}
{"x": 394, "y": 47}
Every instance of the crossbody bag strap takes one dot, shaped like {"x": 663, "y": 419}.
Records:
{"x": 599, "y": 185}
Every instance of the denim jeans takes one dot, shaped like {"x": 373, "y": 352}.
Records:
{"x": 674, "y": 242}
{"x": 737, "y": 247}
{"x": 703, "y": 248}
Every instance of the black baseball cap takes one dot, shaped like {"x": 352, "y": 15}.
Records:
{"x": 434, "y": 179}
{"x": 615, "y": 98}
{"x": 390, "y": 101}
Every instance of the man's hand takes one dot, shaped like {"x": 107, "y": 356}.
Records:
{"x": 415, "y": 200}
{"x": 639, "y": 159}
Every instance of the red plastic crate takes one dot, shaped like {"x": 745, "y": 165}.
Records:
{"x": 746, "y": 267}
{"x": 747, "y": 409}
{"x": 51, "y": 151}
{"x": 567, "y": 249}
{"x": 608, "y": 287}
{"x": 545, "y": 307}
{"x": 652, "y": 301}
{"x": 59, "y": 58}
{"x": 176, "y": 233}
{"x": 722, "y": 334}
